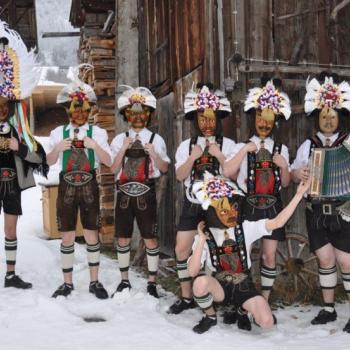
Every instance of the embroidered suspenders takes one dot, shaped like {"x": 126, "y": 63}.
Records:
{"x": 67, "y": 153}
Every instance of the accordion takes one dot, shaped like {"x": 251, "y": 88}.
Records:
{"x": 330, "y": 172}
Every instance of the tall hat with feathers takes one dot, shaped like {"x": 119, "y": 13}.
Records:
{"x": 215, "y": 191}
{"x": 328, "y": 94}
{"x": 197, "y": 100}
{"x": 268, "y": 97}
{"x": 19, "y": 74}
{"x": 139, "y": 95}
{"x": 77, "y": 92}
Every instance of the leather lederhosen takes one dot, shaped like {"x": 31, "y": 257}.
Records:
{"x": 78, "y": 187}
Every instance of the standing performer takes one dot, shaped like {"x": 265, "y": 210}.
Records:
{"x": 223, "y": 245}
{"x": 263, "y": 169}
{"x": 80, "y": 148}
{"x": 20, "y": 153}
{"x": 205, "y": 152}
{"x": 140, "y": 158}
{"x": 329, "y": 233}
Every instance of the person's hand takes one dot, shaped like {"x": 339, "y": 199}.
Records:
{"x": 214, "y": 150}
{"x": 200, "y": 228}
{"x": 304, "y": 186}
{"x": 280, "y": 161}
{"x": 13, "y": 144}
{"x": 149, "y": 149}
{"x": 196, "y": 152}
{"x": 126, "y": 143}
{"x": 250, "y": 147}
{"x": 64, "y": 145}
{"x": 89, "y": 142}
{"x": 302, "y": 174}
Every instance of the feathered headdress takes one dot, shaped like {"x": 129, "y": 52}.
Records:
{"x": 77, "y": 92}
{"x": 204, "y": 98}
{"x": 215, "y": 191}
{"x": 268, "y": 97}
{"x": 140, "y": 95}
{"x": 19, "y": 74}
{"x": 328, "y": 94}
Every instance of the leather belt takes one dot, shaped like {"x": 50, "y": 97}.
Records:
{"x": 329, "y": 208}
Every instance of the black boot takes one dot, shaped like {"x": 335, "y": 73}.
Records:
{"x": 16, "y": 282}
{"x": 205, "y": 324}
{"x": 97, "y": 288}
{"x": 347, "y": 327}
{"x": 63, "y": 290}
{"x": 230, "y": 316}
{"x": 121, "y": 286}
{"x": 324, "y": 317}
{"x": 243, "y": 321}
{"x": 181, "y": 305}
{"x": 152, "y": 289}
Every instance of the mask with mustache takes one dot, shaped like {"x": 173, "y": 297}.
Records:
{"x": 264, "y": 122}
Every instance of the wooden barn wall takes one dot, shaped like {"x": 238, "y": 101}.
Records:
{"x": 171, "y": 41}
{"x": 182, "y": 41}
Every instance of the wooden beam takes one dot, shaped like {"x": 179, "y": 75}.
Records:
{"x": 300, "y": 69}
{"x": 287, "y": 84}
{"x": 59, "y": 34}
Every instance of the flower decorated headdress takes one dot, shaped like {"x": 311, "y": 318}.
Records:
{"x": 139, "y": 95}
{"x": 328, "y": 94}
{"x": 203, "y": 98}
{"x": 215, "y": 191}
{"x": 19, "y": 74}
{"x": 77, "y": 92}
{"x": 268, "y": 97}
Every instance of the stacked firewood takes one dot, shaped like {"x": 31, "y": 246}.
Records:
{"x": 97, "y": 47}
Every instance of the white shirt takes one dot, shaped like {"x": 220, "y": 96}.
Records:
{"x": 183, "y": 152}
{"x": 253, "y": 230}
{"x": 303, "y": 153}
{"x": 268, "y": 144}
{"x": 98, "y": 135}
{"x": 144, "y": 136}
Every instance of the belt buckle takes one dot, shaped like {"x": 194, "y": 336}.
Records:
{"x": 327, "y": 209}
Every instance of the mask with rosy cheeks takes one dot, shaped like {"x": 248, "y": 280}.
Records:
{"x": 4, "y": 109}
{"x": 328, "y": 121}
{"x": 264, "y": 122}
{"x": 137, "y": 116}
{"x": 228, "y": 217}
{"x": 207, "y": 122}
{"x": 79, "y": 116}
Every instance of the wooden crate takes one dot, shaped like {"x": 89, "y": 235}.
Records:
{"x": 49, "y": 197}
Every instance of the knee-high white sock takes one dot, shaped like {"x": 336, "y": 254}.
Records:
{"x": 346, "y": 281}
{"x": 10, "y": 251}
{"x": 123, "y": 257}
{"x": 182, "y": 272}
{"x": 205, "y": 302}
{"x": 67, "y": 258}
{"x": 268, "y": 276}
{"x": 93, "y": 254}
{"x": 328, "y": 277}
{"x": 152, "y": 260}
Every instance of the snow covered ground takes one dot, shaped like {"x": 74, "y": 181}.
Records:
{"x": 32, "y": 320}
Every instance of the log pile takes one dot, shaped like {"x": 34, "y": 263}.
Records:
{"x": 98, "y": 49}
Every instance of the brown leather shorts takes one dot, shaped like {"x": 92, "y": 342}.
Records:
{"x": 143, "y": 208}
{"x": 71, "y": 198}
